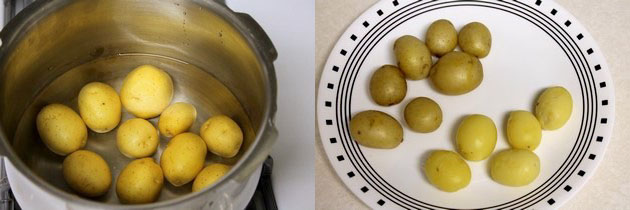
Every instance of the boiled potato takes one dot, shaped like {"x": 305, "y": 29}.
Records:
{"x": 222, "y": 136}
{"x": 99, "y": 106}
{"x": 376, "y": 129}
{"x": 523, "y": 130}
{"x": 514, "y": 167}
{"x": 177, "y": 118}
{"x": 414, "y": 58}
{"x": 475, "y": 39}
{"x": 456, "y": 73}
{"x": 209, "y": 175}
{"x": 476, "y": 137}
{"x": 423, "y": 115}
{"x": 447, "y": 171}
{"x": 137, "y": 138}
{"x": 388, "y": 86}
{"x": 183, "y": 158}
{"x": 441, "y": 37}
{"x": 87, "y": 173}
{"x": 554, "y": 107}
{"x": 146, "y": 91}
{"x": 140, "y": 182}
{"x": 61, "y": 129}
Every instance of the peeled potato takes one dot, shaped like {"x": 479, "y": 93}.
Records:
{"x": 209, "y": 175}
{"x": 140, "y": 182}
{"x": 388, "y": 86}
{"x": 61, "y": 129}
{"x": 447, "y": 171}
{"x": 456, "y": 73}
{"x": 476, "y": 137}
{"x": 177, "y": 118}
{"x": 414, "y": 58}
{"x": 183, "y": 158}
{"x": 146, "y": 91}
{"x": 441, "y": 37}
{"x": 523, "y": 130}
{"x": 87, "y": 173}
{"x": 137, "y": 138}
{"x": 99, "y": 106}
{"x": 515, "y": 167}
{"x": 475, "y": 38}
{"x": 554, "y": 107}
{"x": 423, "y": 115}
{"x": 222, "y": 136}
{"x": 376, "y": 129}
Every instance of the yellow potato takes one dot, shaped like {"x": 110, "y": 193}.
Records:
{"x": 222, "y": 136}
{"x": 476, "y": 137}
{"x": 177, "y": 118}
{"x": 99, "y": 106}
{"x": 414, "y": 58}
{"x": 554, "y": 107}
{"x": 423, "y": 115}
{"x": 137, "y": 138}
{"x": 523, "y": 130}
{"x": 441, "y": 37}
{"x": 209, "y": 175}
{"x": 447, "y": 171}
{"x": 183, "y": 158}
{"x": 87, "y": 173}
{"x": 146, "y": 91}
{"x": 376, "y": 129}
{"x": 61, "y": 129}
{"x": 140, "y": 182}
{"x": 515, "y": 167}
{"x": 456, "y": 73}
{"x": 475, "y": 39}
{"x": 388, "y": 86}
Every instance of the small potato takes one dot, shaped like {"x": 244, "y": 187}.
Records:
{"x": 183, "y": 158}
{"x": 99, "y": 106}
{"x": 177, "y": 118}
{"x": 447, "y": 171}
{"x": 376, "y": 129}
{"x": 554, "y": 107}
{"x": 209, "y": 175}
{"x": 222, "y": 136}
{"x": 441, "y": 37}
{"x": 475, "y": 39}
{"x": 456, "y": 73}
{"x": 515, "y": 167}
{"x": 146, "y": 91}
{"x": 140, "y": 182}
{"x": 388, "y": 86}
{"x": 523, "y": 130}
{"x": 87, "y": 173}
{"x": 137, "y": 138}
{"x": 423, "y": 115}
{"x": 61, "y": 129}
{"x": 414, "y": 58}
{"x": 476, "y": 137}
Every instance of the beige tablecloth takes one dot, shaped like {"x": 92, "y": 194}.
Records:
{"x": 609, "y": 23}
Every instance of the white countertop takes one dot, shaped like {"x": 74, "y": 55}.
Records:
{"x": 609, "y": 23}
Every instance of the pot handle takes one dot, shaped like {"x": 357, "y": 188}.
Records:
{"x": 257, "y": 31}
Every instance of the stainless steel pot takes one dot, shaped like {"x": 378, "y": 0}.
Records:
{"x": 220, "y": 61}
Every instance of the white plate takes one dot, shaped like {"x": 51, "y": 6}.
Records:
{"x": 536, "y": 44}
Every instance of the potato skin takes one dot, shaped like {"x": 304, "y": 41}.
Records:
{"x": 476, "y": 137}
{"x": 414, "y": 58}
{"x": 388, "y": 86}
{"x": 423, "y": 115}
{"x": 441, "y": 37}
{"x": 475, "y": 38}
{"x": 140, "y": 182}
{"x": 376, "y": 129}
{"x": 177, "y": 118}
{"x": 523, "y": 130}
{"x": 209, "y": 175}
{"x": 87, "y": 173}
{"x": 99, "y": 107}
{"x": 456, "y": 73}
{"x": 137, "y": 138}
{"x": 515, "y": 167}
{"x": 146, "y": 91}
{"x": 183, "y": 158}
{"x": 447, "y": 171}
{"x": 222, "y": 136}
{"x": 554, "y": 107}
{"x": 61, "y": 129}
